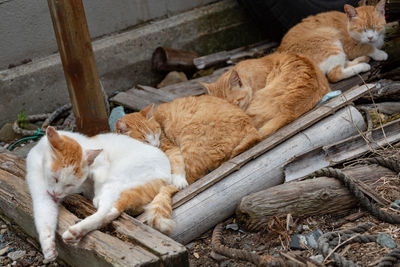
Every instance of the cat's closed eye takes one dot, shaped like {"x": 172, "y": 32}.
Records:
{"x": 69, "y": 185}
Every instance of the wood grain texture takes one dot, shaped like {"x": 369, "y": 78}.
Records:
{"x": 317, "y": 196}
{"x": 95, "y": 249}
{"x": 147, "y": 247}
{"x": 344, "y": 150}
{"x": 218, "y": 202}
{"x": 270, "y": 142}
{"x": 75, "y": 47}
{"x": 170, "y": 252}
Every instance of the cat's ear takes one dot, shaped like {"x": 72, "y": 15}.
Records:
{"x": 54, "y": 138}
{"x": 350, "y": 11}
{"x": 234, "y": 79}
{"x": 380, "y": 7}
{"x": 362, "y": 3}
{"x": 208, "y": 87}
{"x": 147, "y": 112}
{"x": 121, "y": 127}
{"x": 91, "y": 154}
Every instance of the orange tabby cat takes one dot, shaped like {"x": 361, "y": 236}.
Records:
{"x": 197, "y": 133}
{"x": 273, "y": 90}
{"x": 333, "y": 38}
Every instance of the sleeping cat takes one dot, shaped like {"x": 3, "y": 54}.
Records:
{"x": 198, "y": 133}
{"x": 340, "y": 43}
{"x": 120, "y": 172}
{"x": 273, "y": 90}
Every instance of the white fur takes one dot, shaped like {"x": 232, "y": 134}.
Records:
{"x": 179, "y": 180}
{"x": 123, "y": 163}
{"x": 332, "y": 61}
{"x": 153, "y": 139}
{"x": 340, "y": 59}
{"x": 378, "y": 55}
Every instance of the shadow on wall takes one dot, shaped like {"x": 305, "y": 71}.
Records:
{"x": 276, "y": 17}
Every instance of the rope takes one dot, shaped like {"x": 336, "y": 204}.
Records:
{"x": 390, "y": 259}
{"x": 48, "y": 118}
{"x": 353, "y": 188}
{"x": 55, "y": 114}
{"x": 331, "y": 239}
{"x": 390, "y": 163}
{"x": 238, "y": 254}
{"x": 37, "y": 134}
{"x": 30, "y": 118}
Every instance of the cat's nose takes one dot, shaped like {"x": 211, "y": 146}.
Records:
{"x": 370, "y": 37}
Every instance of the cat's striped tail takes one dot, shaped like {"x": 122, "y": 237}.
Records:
{"x": 158, "y": 213}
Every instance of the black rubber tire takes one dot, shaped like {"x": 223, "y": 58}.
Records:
{"x": 278, "y": 16}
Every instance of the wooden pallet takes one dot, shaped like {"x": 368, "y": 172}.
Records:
{"x": 132, "y": 244}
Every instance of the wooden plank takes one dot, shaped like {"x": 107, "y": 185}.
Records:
{"x": 270, "y": 142}
{"x": 218, "y": 202}
{"x": 170, "y": 252}
{"x": 75, "y": 47}
{"x": 193, "y": 87}
{"x": 342, "y": 151}
{"x": 233, "y": 55}
{"x": 310, "y": 197}
{"x": 164, "y": 96}
{"x": 136, "y": 99}
{"x": 95, "y": 249}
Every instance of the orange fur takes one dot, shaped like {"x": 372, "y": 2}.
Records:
{"x": 67, "y": 152}
{"x": 317, "y": 36}
{"x": 157, "y": 196}
{"x": 274, "y": 90}
{"x": 200, "y": 132}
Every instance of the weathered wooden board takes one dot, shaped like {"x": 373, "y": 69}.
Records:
{"x": 342, "y": 151}
{"x": 310, "y": 197}
{"x": 170, "y": 252}
{"x": 233, "y": 55}
{"x": 198, "y": 214}
{"x": 270, "y": 142}
{"x": 138, "y": 98}
{"x": 148, "y": 247}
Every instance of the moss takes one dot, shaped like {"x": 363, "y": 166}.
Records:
{"x": 378, "y": 118}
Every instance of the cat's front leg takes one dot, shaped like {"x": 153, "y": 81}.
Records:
{"x": 45, "y": 212}
{"x": 378, "y": 55}
{"x": 177, "y": 167}
{"x": 104, "y": 215}
{"x": 47, "y": 241}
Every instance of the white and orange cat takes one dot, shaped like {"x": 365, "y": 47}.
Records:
{"x": 273, "y": 90}
{"x": 198, "y": 133}
{"x": 119, "y": 172}
{"x": 340, "y": 43}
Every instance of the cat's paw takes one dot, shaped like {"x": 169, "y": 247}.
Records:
{"x": 179, "y": 181}
{"x": 362, "y": 67}
{"x": 73, "y": 235}
{"x": 379, "y": 55}
{"x": 49, "y": 251}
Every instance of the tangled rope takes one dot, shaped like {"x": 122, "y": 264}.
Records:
{"x": 347, "y": 236}
{"x": 353, "y": 188}
{"x": 239, "y": 254}
{"x": 333, "y": 238}
{"x": 39, "y": 132}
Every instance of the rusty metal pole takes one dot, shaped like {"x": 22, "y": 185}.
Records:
{"x": 74, "y": 45}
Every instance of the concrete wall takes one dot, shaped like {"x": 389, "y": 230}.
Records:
{"x": 123, "y": 59}
{"x": 26, "y": 31}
